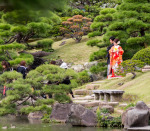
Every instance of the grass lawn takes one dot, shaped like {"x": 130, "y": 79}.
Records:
{"x": 72, "y": 52}
{"x": 140, "y": 86}
{"x": 137, "y": 89}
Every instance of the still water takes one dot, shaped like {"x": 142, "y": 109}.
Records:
{"x": 22, "y": 124}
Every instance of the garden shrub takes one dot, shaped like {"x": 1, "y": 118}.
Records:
{"x": 130, "y": 66}
{"x": 143, "y": 55}
{"x": 93, "y": 42}
{"x": 98, "y": 55}
{"x": 94, "y": 33}
{"x": 45, "y": 44}
{"x": 83, "y": 77}
{"x": 103, "y": 121}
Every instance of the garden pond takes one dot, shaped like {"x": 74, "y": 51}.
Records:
{"x": 23, "y": 124}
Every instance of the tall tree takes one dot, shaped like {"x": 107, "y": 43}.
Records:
{"x": 131, "y": 26}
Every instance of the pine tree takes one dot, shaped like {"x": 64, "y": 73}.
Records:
{"x": 131, "y": 25}
{"x": 44, "y": 80}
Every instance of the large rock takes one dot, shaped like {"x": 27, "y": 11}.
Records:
{"x": 109, "y": 108}
{"x": 137, "y": 116}
{"x": 35, "y": 115}
{"x": 95, "y": 77}
{"x": 60, "y": 112}
{"x": 88, "y": 65}
{"x": 90, "y": 104}
{"x": 80, "y": 92}
{"x": 92, "y": 86}
{"x": 80, "y": 116}
{"x": 77, "y": 68}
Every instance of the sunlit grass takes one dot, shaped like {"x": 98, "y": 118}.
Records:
{"x": 72, "y": 52}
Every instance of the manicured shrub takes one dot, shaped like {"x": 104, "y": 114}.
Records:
{"x": 143, "y": 55}
{"x": 83, "y": 77}
{"x": 45, "y": 43}
{"x": 130, "y": 66}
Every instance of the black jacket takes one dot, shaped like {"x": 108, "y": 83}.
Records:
{"x": 22, "y": 70}
{"x": 108, "y": 55}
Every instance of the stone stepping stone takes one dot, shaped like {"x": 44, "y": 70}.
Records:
{"x": 84, "y": 98}
{"x": 113, "y": 104}
{"x": 123, "y": 105}
{"x": 80, "y": 102}
{"x": 87, "y": 103}
{"x": 91, "y": 104}
{"x": 82, "y": 92}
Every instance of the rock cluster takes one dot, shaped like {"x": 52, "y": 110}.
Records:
{"x": 75, "y": 114}
{"x": 137, "y": 116}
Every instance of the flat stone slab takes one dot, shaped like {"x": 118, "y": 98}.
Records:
{"x": 82, "y": 92}
{"x": 147, "y": 67}
{"x": 123, "y": 105}
{"x": 113, "y": 104}
{"x": 80, "y": 101}
{"x": 91, "y": 104}
{"x": 108, "y": 91}
{"x": 146, "y": 128}
{"x": 145, "y": 70}
{"x": 84, "y": 98}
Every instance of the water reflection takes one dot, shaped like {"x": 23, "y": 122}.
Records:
{"x": 23, "y": 124}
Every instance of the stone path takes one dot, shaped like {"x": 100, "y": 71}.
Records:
{"x": 86, "y": 98}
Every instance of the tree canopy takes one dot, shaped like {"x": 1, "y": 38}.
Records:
{"x": 32, "y": 4}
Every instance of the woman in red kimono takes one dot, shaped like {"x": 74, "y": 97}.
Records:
{"x": 116, "y": 53}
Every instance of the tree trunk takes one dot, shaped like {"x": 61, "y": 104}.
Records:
{"x": 134, "y": 75}
{"x": 143, "y": 34}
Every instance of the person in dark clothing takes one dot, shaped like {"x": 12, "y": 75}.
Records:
{"x": 53, "y": 62}
{"x": 108, "y": 56}
{"x": 67, "y": 82}
{"x": 6, "y": 66}
{"x": 22, "y": 69}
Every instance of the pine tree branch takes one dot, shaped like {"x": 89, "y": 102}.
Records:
{"x": 23, "y": 101}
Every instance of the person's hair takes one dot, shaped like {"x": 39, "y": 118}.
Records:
{"x": 116, "y": 40}
{"x": 22, "y": 63}
{"x": 112, "y": 38}
{"x": 53, "y": 62}
{"x": 5, "y": 63}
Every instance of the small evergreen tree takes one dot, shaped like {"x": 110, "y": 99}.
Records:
{"x": 76, "y": 27}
